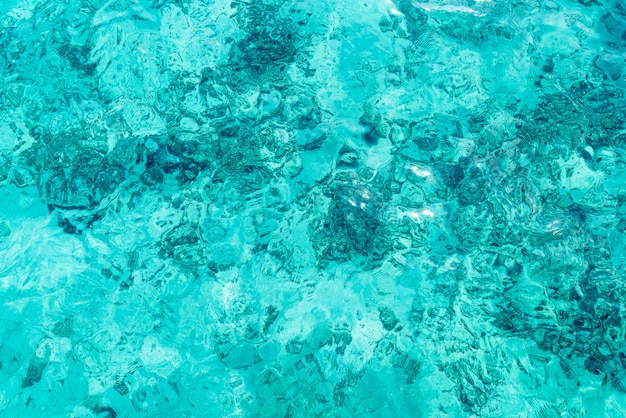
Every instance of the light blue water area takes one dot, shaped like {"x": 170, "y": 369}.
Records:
{"x": 381, "y": 208}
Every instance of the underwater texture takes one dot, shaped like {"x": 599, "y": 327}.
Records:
{"x": 381, "y": 208}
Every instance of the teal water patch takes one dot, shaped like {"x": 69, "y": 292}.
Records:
{"x": 215, "y": 208}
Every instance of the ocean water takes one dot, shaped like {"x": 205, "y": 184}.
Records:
{"x": 372, "y": 208}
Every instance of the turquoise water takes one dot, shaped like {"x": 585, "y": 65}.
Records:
{"x": 381, "y": 208}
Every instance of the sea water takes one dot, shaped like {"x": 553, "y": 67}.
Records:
{"x": 263, "y": 208}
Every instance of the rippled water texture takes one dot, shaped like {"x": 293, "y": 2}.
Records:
{"x": 385, "y": 208}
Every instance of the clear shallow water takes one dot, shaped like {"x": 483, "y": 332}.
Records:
{"x": 270, "y": 209}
